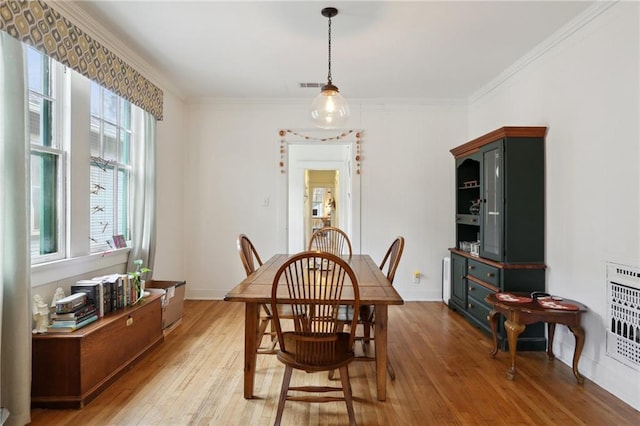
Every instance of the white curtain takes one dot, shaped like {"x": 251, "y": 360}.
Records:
{"x": 15, "y": 279}
{"x": 143, "y": 222}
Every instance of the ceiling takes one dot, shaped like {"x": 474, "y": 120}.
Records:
{"x": 425, "y": 50}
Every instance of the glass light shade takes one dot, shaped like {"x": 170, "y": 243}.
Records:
{"x": 329, "y": 110}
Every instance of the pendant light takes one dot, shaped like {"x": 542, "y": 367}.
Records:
{"x": 329, "y": 110}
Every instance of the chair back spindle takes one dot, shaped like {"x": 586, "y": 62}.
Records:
{"x": 331, "y": 240}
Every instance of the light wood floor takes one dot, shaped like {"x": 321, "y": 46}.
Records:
{"x": 444, "y": 376}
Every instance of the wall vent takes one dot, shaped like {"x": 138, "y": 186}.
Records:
{"x": 623, "y": 326}
{"x": 310, "y": 85}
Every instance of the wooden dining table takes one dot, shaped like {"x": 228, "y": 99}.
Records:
{"x": 375, "y": 289}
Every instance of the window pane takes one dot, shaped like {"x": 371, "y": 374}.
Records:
{"x": 123, "y": 203}
{"x": 102, "y": 196}
{"x": 111, "y": 146}
{"x": 40, "y": 120}
{"x": 110, "y": 105}
{"x": 110, "y": 142}
{"x": 95, "y": 98}
{"x": 95, "y": 137}
{"x": 36, "y": 71}
{"x": 44, "y": 209}
{"x": 35, "y": 108}
{"x": 125, "y": 114}
{"x": 125, "y": 143}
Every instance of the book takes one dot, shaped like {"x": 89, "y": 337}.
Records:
{"x": 95, "y": 293}
{"x": 110, "y": 291}
{"x": 73, "y": 321}
{"x": 119, "y": 241}
{"x": 71, "y": 303}
{"x": 106, "y": 286}
{"x": 80, "y": 312}
{"x": 53, "y": 328}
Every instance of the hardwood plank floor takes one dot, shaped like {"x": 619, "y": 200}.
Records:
{"x": 444, "y": 377}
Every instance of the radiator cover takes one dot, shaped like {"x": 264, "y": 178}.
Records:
{"x": 623, "y": 326}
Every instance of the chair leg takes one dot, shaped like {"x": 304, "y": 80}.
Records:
{"x": 332, "y": 374}
{"x": 284, "y": 392}
{"x": 366, "y": 336}
{"x": 274, "y": 337}
{"x": 346, "y": 388}
{"x": 262, "y": 328}
{"x": 390, "y": 370}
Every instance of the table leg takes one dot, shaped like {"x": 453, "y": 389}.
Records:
{"x": 514, "y": 328}
{"x": 493, "y": 321}
{"x": 251, "y": 319}
{"x": 381, "y": 351}
{"x": 578, "y": 332}
{"x": 551, "y": 329}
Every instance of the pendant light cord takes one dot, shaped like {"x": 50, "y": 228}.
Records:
{"x": 329, "y": 74}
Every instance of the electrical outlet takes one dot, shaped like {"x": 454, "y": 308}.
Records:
{"x": 416, "y": 277}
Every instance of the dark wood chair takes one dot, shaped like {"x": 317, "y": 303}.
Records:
{"x": 251, "y": 261}
{"x": 314, "y": 285}
{"x": 331, "y": 240}
{"x": 366, "y": 315}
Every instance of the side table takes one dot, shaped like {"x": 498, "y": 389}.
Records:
{"x": 520, "y": 310}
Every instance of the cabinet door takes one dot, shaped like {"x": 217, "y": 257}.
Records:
{"x": 467, "y": 194}
{"x": 459, "y": 281}
{"x": 492, "y": 202}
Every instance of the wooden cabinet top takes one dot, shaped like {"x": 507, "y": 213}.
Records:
{"x": 102, "y": 322}
{"x": 503, "y": 132}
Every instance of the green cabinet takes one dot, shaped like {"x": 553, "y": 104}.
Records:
{"x": 499, "y": 224}
{"x": 459, "y": 280}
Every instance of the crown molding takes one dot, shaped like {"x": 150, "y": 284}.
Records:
{"x": 544, "y": 47}
{"x": 107, "y": 38}
{"x": 380, "y": 103}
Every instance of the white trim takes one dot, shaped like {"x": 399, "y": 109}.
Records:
{"x": 205, "y": 294}
{"x": 375, "y": 102}
{"x": 46, "y": 273}
{"x": 544, "y": 47}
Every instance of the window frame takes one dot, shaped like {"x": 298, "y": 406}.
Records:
{"x": 59, "y": 148}
{"x": 119, "y": 224}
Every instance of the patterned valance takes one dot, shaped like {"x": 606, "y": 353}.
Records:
{"x": 37, "y": 24}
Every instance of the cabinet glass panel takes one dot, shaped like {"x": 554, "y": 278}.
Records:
{"x": 492, "y": 205}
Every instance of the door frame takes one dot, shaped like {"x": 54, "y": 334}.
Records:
{"x": 313, "y": 155}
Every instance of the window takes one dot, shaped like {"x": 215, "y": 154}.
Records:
{"x": 48, "y": 160}
{"x": 61, "y": 227}
{"x": 110, "y": 167}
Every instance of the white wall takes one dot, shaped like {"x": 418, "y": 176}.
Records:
{"x": 170, "y": 147}
{"x": 233, "y": 164}
{"x": 586, "y": 90}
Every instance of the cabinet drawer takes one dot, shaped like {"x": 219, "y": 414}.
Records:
{"x": 478, "y": 292}
{"x": 484, "y": 272}
{"x": 479, "y": 310}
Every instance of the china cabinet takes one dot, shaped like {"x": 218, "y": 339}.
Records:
{"x": 499, "y": 224}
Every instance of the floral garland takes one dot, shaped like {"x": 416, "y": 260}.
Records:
{"x": 283, "y": 144}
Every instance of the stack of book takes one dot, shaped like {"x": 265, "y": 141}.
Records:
{"x": 98, "y": 294}
{"x": 118, "y": 291}
{"x": 72, "y": 312}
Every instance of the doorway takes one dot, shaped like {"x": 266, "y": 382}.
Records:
{"x": 321, "y": 210}
{"x": 320, "y": 168}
